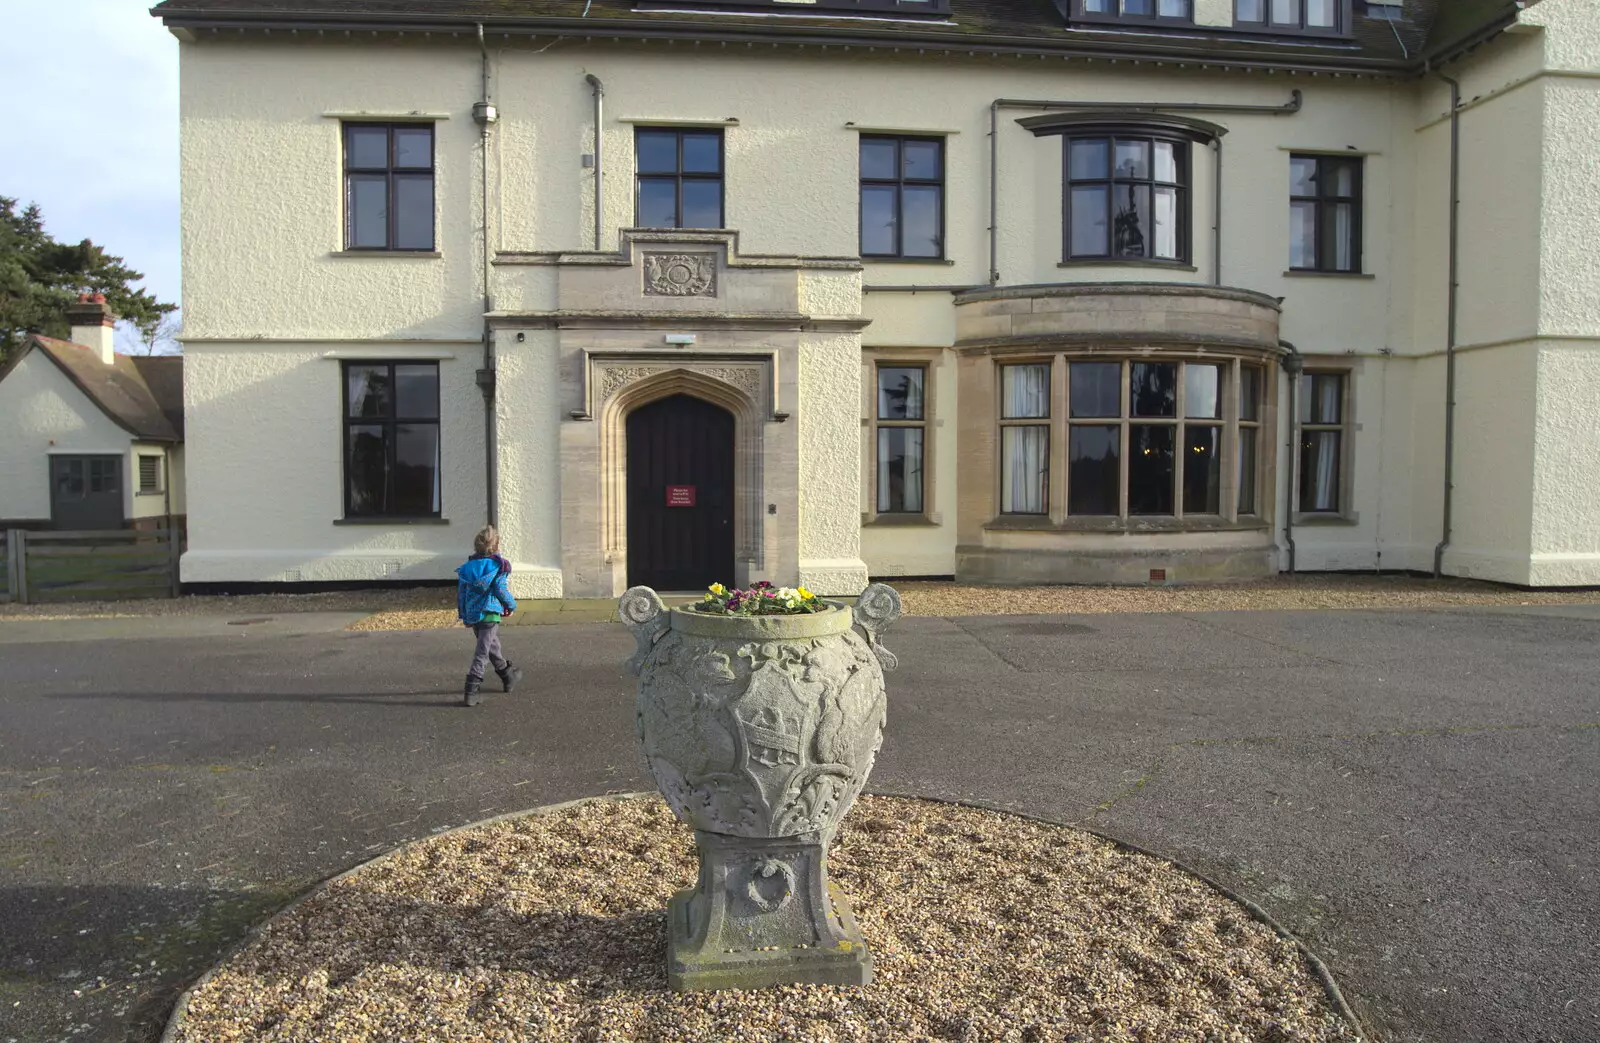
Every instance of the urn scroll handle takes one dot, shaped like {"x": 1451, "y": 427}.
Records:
{"x": 642, "y": 610}
{"x": 875, "y": 612}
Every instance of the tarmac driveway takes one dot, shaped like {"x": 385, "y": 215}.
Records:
{"x": 1416, "y": 794}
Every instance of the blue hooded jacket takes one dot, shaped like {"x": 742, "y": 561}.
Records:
{"x": 481, "y": 587}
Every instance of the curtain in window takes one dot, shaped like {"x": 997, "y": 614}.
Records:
{"x": 1027, "y": 392}
{"x": 1025, "y": 457}
{"x": 1322, "y": 462}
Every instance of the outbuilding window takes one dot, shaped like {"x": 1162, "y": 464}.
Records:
{"x": 149, "y": 473}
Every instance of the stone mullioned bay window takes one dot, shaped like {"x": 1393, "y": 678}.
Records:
{"x": 1110, "y": 431}
{"x": 1144, "y": 437}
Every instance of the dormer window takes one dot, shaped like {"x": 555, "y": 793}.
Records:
{"x": 1324, "y": 17}
{"x": 817, "y": 8}
{"x": 1135, "y": 12}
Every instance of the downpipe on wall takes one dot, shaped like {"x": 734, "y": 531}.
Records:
{"x": 1294, "y": 104}
{"x": 1450, "y": 326}
{"x": 484, "y": 114}
{"x": 1293, "y": 364}
{"x": 599, "y": 157}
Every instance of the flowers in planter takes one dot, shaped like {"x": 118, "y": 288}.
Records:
{"x": 762, "y": 599}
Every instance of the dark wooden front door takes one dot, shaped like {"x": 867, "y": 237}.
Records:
{"x": 86, "y": 492}
{"x": 680, "y": 494}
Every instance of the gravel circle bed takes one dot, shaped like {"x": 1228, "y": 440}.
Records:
{"x": 550, "y": 926}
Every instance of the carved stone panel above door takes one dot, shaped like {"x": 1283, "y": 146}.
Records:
{"x": 680, "y": 274}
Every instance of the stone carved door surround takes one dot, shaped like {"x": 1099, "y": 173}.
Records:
{"x": 622, "y": 384}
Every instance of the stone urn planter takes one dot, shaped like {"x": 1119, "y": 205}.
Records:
{"x": 761, "y": 731}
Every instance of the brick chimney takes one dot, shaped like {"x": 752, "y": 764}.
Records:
{"x": 93, "y": 325}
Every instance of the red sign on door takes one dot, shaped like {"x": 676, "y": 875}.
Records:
{"x": 680, "y": 496}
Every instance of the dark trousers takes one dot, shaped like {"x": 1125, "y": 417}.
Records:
{"x": 488, "y": 651}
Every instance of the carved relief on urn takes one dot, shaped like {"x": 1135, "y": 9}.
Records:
{"x": 761, "y": 731}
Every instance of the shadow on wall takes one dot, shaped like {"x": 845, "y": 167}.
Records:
{"x": 287, "y": 493}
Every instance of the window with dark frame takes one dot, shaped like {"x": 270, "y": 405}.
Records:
{"x": 1296, "y": 16}
{"x": 679, "y": 178}
{"x": 149, "y": 473}
{"x": 902, "y": 197}
{"x": 388, "y": 186}
{"x": 391, "y": 440}
{"x": 901, "y": 422}
{"x": 1137, "y": 12}
{"x": 1127, "y": 198}
{"x": 1322, "y": 442}
{"x": 1325, "y": 213}
{"x": 1025, "y": 438}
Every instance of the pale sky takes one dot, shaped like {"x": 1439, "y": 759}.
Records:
{"x": 89, "y": 127}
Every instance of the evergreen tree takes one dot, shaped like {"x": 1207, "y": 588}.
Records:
{"x": 40, "y": 277}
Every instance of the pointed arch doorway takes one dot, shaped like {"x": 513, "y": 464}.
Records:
{"x": 680, "y": 514}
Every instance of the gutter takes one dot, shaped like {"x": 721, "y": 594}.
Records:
{"x": 599, "y": 158}
{"x": 1292, "y": 363}
{"x": 1293, "y": 105}
{"x": 898, "y": 39}
{"x": 1450, "y": 327}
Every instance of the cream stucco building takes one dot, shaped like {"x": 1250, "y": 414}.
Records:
{"x": 1111, "y": 290}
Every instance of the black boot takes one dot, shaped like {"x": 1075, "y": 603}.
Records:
{"x": 473, "y": 694}
{"x": 510, "y": 675}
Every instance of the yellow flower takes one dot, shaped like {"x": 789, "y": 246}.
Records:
{"x": 805, "y": 595}
{"x": 717, "y": 589}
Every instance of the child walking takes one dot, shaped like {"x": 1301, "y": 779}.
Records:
{"x": 483, "y": 598}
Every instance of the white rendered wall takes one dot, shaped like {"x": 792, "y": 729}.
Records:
{"x": 264, "y": 465}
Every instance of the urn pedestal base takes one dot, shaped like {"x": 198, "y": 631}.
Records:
{"x": 763, "y": 913}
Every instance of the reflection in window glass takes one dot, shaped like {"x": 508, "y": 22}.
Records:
{"x": 900, "y": 393}
{"x": 1153, "y": 388}
{"x": 1246, "y": 470}
{"x": 1150, "y": 469}
{"x": 1202, "y": 470}
{"x": 899, "y": 469}
{"x": 1094, "y": 470}
{"x": 1095, "y": 389}
{"x": 902, "y": 197}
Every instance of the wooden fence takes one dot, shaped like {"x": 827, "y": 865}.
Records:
{"x": 91, "y": 566}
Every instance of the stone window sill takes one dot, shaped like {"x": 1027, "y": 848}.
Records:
{"x": 1312, "y": 273}
{"x": 900, "y": 521}
{"x": 1040, "y": 523}
{"x": 391, "y": 520}
{"x": 1334, "y": 520}
{"x": 423, "y": 255}
{"x": 1112, "y": 262}
{"x": 149, "y": 492}
{"x": 944, "y": 261}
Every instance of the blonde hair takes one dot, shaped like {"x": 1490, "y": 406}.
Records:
{"x": 487, "y": 541}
